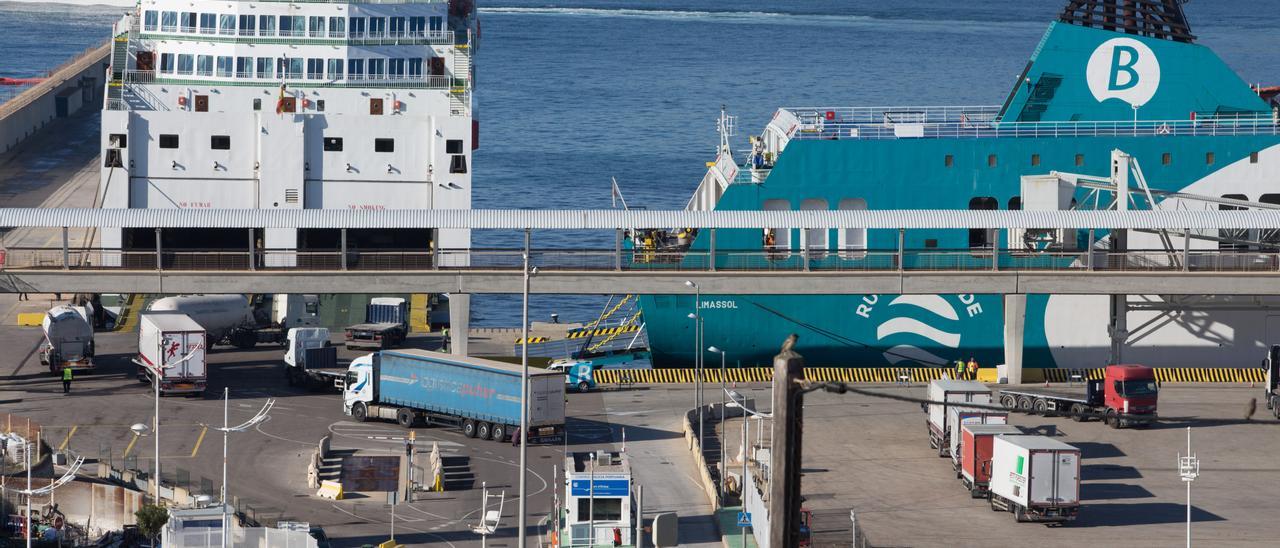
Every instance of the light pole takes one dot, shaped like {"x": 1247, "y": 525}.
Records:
{"x": 523, "y": 432}
{"x": 46, "y": 490}
{"x": 723, "y": 406}
{"x": 696, "y": 316}
{"x": 1189, "y": 470}
{"x": 226, "y": 430}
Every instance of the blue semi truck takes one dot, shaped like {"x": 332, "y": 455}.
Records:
{"x": 481, "y": 397}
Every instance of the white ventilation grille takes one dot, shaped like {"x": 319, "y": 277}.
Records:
{"x": 291, "y": 196}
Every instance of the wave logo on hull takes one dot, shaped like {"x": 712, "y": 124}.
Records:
{"x": 1124, "y": 69}
{"x": 905, "y": 322}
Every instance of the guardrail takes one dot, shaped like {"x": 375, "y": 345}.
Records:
{"x": 926, "y": 260}
{"x": 888, "y": 375}
{"x": 821, "y": 128}
{"x": 300, "y": 81}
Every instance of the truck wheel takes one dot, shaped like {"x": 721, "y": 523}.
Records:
{"x": 1008, "y": 401}
{"x": 244, "y": 340}
{"x": 1040, "y": 407}
{"x": 1077, "y": 412}
{"x": 484, "y": 430}
{"x": 1275, "y": 407}
{"x": 1019, "y": 515}
{"x": 405, "y": 418}
{"x": 1110, "y": 419}
{"x": 1024, "y": 403}
{"x": 359, "y": 412}
{"x": 499, "y": 432}
{"x": 583, "y": 386}
{"x": 469, "y": 428}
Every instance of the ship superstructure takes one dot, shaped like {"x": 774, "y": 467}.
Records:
{"x": 302, "y": 104}
{"x": 1109, "y": 79}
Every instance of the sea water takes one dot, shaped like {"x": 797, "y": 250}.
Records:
{"x": 571, "y": 93}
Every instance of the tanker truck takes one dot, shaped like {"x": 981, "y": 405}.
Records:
{"x": 237, "y": 320}
{"x": 68, "y": 339}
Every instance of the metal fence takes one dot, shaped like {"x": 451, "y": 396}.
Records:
{"x": 969, "y": 260}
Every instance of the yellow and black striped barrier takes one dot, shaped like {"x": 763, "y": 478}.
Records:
{"x": 915, "y": 374}
{"x": 602, "y": 331}
{"x": 532, "y": 340}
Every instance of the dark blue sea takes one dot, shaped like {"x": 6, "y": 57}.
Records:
{"x": 573, "y": 92}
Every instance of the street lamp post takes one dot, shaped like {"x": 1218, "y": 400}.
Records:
{"x": 523, "y": 432}
{"x": 696, "y": 316}
{"x": 226, "y": 431}
{"x": 46, "y": 490}
{"x": 723, "y": 406}
{"x": 1189, "y": 470}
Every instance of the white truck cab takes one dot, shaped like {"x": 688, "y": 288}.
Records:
{"x": 300, "y": 339}
{"x": 358, "y": 386}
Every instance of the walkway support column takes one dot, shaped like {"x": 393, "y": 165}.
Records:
{"x": 1118, "y": 327}
{"x": 66, "y": 251}
{"x": 253, "y": 252}
{"x": 343, "y": 244}
{"x": 1015, "y": 320}
{"x": 459, "y": 322}
{"x": 902, "y": 249}
{"x": 617, "y": 249}
{"x": 159, "y": 251}
{"x": 712, "y": 255}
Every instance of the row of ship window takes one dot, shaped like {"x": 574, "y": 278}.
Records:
{"x": 226, "y": 66}
{"x": 190, "y": 22}
{"x": 453, "y": 147}
{"x": 1165, "y": 159}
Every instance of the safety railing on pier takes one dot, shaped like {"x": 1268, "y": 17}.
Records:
{"x": 589, "y": 260}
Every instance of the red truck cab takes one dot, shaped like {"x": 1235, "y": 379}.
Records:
{"x": 1130, "y": 394}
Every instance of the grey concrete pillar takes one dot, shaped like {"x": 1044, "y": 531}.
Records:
{"x": 459, "y": 323}
{"x": 1119, "y": 327}
{"x": 1015, "y": 320}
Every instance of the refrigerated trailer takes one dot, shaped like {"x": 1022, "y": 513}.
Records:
{"x": 974, "y": 450}
{"x": 950, "y": 391}
{"x": 1127, "y": 395}
{"x": 1037, "y": 478}
{"x": 1270, "y": 396}
{"x": 481, "y": 397}
{"x": 171, "y": 352}
{"x": 958, "y": 417}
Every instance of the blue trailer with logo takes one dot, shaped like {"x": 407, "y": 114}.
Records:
{"x": 481, "y": 397}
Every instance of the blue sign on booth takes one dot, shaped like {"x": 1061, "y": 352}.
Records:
{"x": 604, "y": 488}
{"x": 744, "y": 519}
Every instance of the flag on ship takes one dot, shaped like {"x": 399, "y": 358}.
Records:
{"x": 280, "y": 101}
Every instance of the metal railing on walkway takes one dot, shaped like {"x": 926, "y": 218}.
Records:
{"x": 601, "y": 260}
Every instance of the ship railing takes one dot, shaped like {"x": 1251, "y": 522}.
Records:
{"x": 574, "y": 260}
{"x": 837, "y": 129}
{"x": 899, "y": 114}
{"x": 303, "y": 37}
{"x": 302, "y": 80}
{"x": 356, "y": 2}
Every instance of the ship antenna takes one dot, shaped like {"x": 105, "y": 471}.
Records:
{"x": 726, "y": 126}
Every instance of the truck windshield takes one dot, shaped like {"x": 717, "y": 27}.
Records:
{"x": 1139, "y": 388}
{"x": 351, "y": 379}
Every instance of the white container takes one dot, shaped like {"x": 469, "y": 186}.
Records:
{"x": 172, "y": 346}
{"x": 957, "y": 417}
{"x": 1037, "y": 473}
{"x": 950, "y": 390}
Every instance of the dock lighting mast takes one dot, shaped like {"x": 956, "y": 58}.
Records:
{"x": 724, "y": 403}
{"x": 524, "y": 391}
{"x": 696, "y": 316}
{"x": 226, "y": 431}
{"x": 1189, "y": 469}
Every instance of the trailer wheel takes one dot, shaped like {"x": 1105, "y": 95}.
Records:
{"x": 469, "y": 428}
{"x": 1040, "y": 407}
{"x": 1275, "y": 407}
{"x": 244, "y": 340}
{"x": 405, "y": 418}
{"x": 1008, "y": 401}
{"x": 1024, "y": 403}
{"x": 1110, "y": 419}
{"x": 499, "y": 432}
{"x": 1077, "y": 412}
{"x": 484, "y": 430}
{"x": 360, "y": 412}
{"x": 1019, "y": 514}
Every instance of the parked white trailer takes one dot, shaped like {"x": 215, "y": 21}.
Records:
{"x": 171, "y": 351}
{"x": 950, "y": 390}
{"x": 232, "y": 319}
{"x": 1035, "y": 477}
{"x": 68, "y": 339}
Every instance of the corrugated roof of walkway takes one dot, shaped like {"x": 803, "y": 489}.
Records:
{"x": 539, "y": 219}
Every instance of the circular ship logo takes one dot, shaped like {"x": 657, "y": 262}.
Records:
{"x": 1124, "y": 69}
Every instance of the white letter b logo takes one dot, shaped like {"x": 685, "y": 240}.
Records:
{"x": 1124, "y": 69}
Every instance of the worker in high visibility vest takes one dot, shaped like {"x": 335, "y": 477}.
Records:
{"x": 959, "y": 369}
{"x": 973, "y": 369}
{"x": 66, "y": 379}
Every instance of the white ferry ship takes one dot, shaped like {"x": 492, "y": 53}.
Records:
{"x": 302, "y": 104}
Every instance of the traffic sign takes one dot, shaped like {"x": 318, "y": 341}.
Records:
{"x": 744, "y": 519}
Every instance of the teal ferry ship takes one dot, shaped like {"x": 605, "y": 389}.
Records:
{"x": 1106, "y": 76}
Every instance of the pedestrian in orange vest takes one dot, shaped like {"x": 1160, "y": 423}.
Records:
{"x": 973, "y": 369}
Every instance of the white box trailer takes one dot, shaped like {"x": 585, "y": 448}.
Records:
{"x": 950, "y": 390}
{"x": 171, "y": 351}
{"x": 1035, "y": 477}
{"x": 957, "y": 417}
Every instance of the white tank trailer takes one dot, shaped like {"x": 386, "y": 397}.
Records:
{"x": 68, "y": 339}
{"x": 230, "y": 319}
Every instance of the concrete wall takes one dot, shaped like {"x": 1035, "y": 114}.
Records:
{"x": 31, "y": 110}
